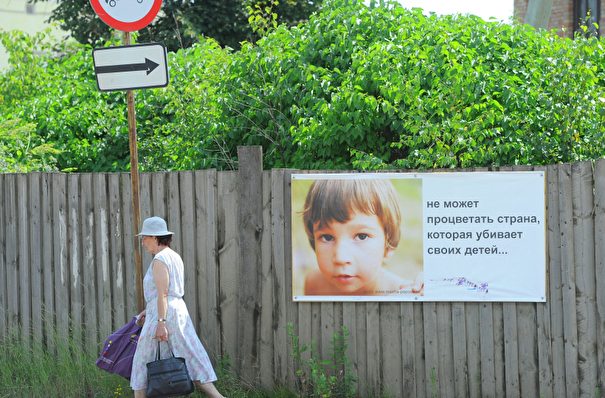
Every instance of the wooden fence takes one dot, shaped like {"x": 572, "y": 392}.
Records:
{"x": 67, "y": 265}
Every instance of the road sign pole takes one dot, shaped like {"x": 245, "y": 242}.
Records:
{"x": 136, "y": 203}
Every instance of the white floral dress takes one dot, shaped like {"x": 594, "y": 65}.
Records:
{"x": 181, "y": 333}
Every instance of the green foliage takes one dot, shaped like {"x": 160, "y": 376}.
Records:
{"x": 354, "y": 87}
{"x": 22, "y": 151}
{"x": 179, "y": 125}
{"x": 56, "y": 90}
{"x": 24, "y": 79}
{"x": 385, "y": 87}
{"x": 262, "y": 20}
{"x": 230, "y": 386}
{"x": 388, "y": 86}
{"x": 324, "y": 378}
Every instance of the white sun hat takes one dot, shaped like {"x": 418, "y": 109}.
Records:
{"x": 155, "y": 226}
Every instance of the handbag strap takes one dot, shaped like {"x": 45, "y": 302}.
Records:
{"x": 157, "y": 353}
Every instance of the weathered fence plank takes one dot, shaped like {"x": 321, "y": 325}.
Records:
{"x": 283, "y": 258}
{"x": 189, "y": 247}
{"x": 250, "y": 222}
{"x": 419, "y": 358}
{"x": 473, "y": 347}
{"x": 599, "y": 221}
{"x": 12, "y": 254}
{"x": 89, "y": 265}
{"x": 349, "y": 321}
{"x": 174, "y": 206}
{"x": 104, "y": 287}
{"x": 147, "y": 210}
{"x": 130, "y": 242}
{"x": 410, "y": 364}
{"x": 228, "y": 262}
{"x": 543, "y": 325}
{"x": 459, "y": 350}
{"x": 528, "y": 349}
{"x": 189, "y": 240}
{"x": 570, "y": 331}
{"x": 23, "y": 259}
{"x": 446, "y": 349}
{"x": 75, "y": 259}
{"x": 555, "y": 291}
{"x": 390, "y": 347}
{"x": 511, "y": 350}
{"x": 60, "y": 251}
{"x": 327, "y": 329}
{"x": 208, "y": 326}
{"x": 373, "y": 348}
{"x": 35, "y": 266}
{"x": 431, "y": 347}
{"x": 116, "y": 252}
{"x": 583, "y": 234}
{"x": 159, "y": 197}
{"x": 360, "y": 328}
{"x": 48, "y": 314}
{"x": 266, "y": 352}
{"x": 486, "y": 338}
{"x": 282, "y": 314}
{"x": 4, "y": 322}
{"x": 527, "y": 332}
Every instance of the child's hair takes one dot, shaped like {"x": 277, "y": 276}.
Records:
{"x": 335, "y": 200}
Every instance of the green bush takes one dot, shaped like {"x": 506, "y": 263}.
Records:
{"x": 357, "y": 86}
{"x": 388, "y": 87}
{"x": 22, "y": 151}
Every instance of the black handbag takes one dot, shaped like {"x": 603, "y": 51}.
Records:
{"x": 168, "y": 377}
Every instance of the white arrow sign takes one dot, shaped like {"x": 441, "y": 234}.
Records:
{"x": 133, "y": 67}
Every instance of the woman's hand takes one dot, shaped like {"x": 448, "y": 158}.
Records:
{"x": 161, "y": 333}
{"x": 141, "y": 318}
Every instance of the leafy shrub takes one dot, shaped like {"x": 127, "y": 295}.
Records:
{"x": 388, "y": 87}
{"x": 22, "y": 151}
{"x": 357, "y": 86}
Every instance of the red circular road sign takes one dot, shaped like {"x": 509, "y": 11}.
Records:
{"x": 127, "y": 15}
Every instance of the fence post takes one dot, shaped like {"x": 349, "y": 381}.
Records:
{"x": 250, "y": 221}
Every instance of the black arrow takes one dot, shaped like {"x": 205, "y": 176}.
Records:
{"x": 148, "y": 65}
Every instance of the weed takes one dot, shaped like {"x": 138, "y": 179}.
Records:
{"x": 317, "y": 378}
{"x": 434, "y": 383}
{"x": 30, "y": 370}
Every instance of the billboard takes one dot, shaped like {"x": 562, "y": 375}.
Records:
{"x": 477, "y": 236}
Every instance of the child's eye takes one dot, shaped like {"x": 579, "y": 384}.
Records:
{"x": 326, "y": 238}
{"x": 362, "y": 236}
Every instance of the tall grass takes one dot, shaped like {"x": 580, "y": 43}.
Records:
{"x": 67, "y": 371}
{"x": 61, "y": 371}
{"x": 64, "y": 369}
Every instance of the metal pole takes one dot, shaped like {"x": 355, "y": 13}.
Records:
{"x": 136, "y": 204}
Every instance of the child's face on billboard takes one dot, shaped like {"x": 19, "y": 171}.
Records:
{"x": 350, "y": 255}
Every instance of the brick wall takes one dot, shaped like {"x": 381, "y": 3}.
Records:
{"x": 561, "y": 16}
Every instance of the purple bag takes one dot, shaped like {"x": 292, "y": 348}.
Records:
{"x": 119, "y": 350}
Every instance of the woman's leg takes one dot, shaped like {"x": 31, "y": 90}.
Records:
{"x": 208, "y": 388}
{"x": 140, "y": 394}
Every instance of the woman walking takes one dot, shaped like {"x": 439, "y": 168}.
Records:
{"x": 166, "y": 317}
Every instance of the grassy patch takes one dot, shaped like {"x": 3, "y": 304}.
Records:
{"x": 34, "y": 372}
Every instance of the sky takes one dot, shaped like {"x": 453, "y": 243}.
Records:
{"x": 500, "y": 9}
